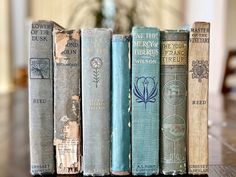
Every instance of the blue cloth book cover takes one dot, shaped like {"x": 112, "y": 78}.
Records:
{"x": 145, "y": 100}
{"x": 120, "y": 105}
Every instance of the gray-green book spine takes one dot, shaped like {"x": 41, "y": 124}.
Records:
{"x": 174, "y": 49}
{"x": 41, "y": 98}
{"x": 96, "y": 100}
{"x": 145, "y": 100}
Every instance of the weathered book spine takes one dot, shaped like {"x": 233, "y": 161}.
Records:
{"x": 121, "y": 139}
{"x": 41, "y": 98}
{"x": 67, "y": 101}
{"x": 174, "y": 55}
{"x": 198, "y": 73}
{"x": 145, "y": 100}
{"x": 96, "y": 94}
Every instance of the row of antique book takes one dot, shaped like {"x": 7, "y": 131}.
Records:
{"x": 118, "y": 104}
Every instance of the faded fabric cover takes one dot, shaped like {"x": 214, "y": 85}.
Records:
{"x": 198, "y": 84}
{"x": 67, "y": 101}
{"x": 121, "y": 137}
{"x": 41, "y": 97}
{"x": 174, "y": 52}
{"x": 96, "y": 100}
{"x": 145, "y": 100}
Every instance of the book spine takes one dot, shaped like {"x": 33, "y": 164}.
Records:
{"x": 121, "y": 141}
{"x": 174, "y": 48}
{"x": 145, "y": 100}
{"x": 198, "y": 74}
{"x": 96, "y": 66}
{"x": 41, "y": 98}
{"x": 67, "y": 101}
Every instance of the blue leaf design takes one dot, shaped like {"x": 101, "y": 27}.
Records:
{"x": 142, "y": 87}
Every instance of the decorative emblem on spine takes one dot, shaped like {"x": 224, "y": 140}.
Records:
{"x": 174, "y": 92}
{"x": 96, "y": 64}
{"x": 145, "y": 89}
{"x": 174, "y": 128}
{"x": 200, "y": 70}
{"x": 39, "y": 68}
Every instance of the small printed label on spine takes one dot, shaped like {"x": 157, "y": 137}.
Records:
{"x": 174, "y": 52}
{"x": 199, "y": 35}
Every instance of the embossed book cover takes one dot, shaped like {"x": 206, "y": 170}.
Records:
{"x": 145, "y": 100}
{"x": 41, "y": 97}
{"x": 198, "y": 74}
{"x": 121, "y": 137}
{"x": 67, "y": 101}
{"x": 96, "y": 100}
{"x": 174, "y": 52}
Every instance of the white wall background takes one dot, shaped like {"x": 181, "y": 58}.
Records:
{"x": 213, "y": 11}
{"x": 220, "y": 13}
{"x": 19, "y": 13}
{"x": 231, "y": 25}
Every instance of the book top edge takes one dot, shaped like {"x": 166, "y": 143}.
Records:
{"x": 203, "y": 22}
{"x": 96, "y": 29}
{"x": 54, "y": 24}
{"x": 67, "y": 31}
{"x": 121, "y": 37}
{"x": 141, "y": 28}
{"x": 170, "y": 31}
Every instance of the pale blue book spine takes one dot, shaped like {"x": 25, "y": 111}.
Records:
{"x": 96, "y": 100}
{"x": 145, "y": 100}
{"x": 120, "y": 105}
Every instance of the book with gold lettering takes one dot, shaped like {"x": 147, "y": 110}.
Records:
{"x": 41, "y": 97}
{"x": 67, "y": 101}
{"x": 174, "y": 55}
{"x": 198, "y": 75}
{"x": 145, "y": 100}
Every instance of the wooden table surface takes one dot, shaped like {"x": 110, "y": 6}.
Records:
{"x": 14, "y": 141}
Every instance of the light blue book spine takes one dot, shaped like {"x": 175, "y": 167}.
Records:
{"x": 120, "y": 105}
{"x": 96, "y": 100}
{"x": 145, "y": 100}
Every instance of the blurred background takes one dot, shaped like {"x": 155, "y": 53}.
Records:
{"x": 120, "y": 15}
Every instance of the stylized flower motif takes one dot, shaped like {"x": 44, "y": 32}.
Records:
{"x": 96, "y": 64}
{"x": 145, "y": 89}
{"x": 200, "y": 70}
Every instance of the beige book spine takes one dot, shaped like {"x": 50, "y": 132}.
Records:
{"x": 198, "y": 74}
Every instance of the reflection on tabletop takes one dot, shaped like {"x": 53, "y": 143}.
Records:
{"x": 14, "y": 144}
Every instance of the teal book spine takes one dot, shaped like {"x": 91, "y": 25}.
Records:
{"x": 96, "y": 100}
{"x": 121, "y": 138}
{"x": 145, "y": 100}
{"x": 174, "y": 52}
